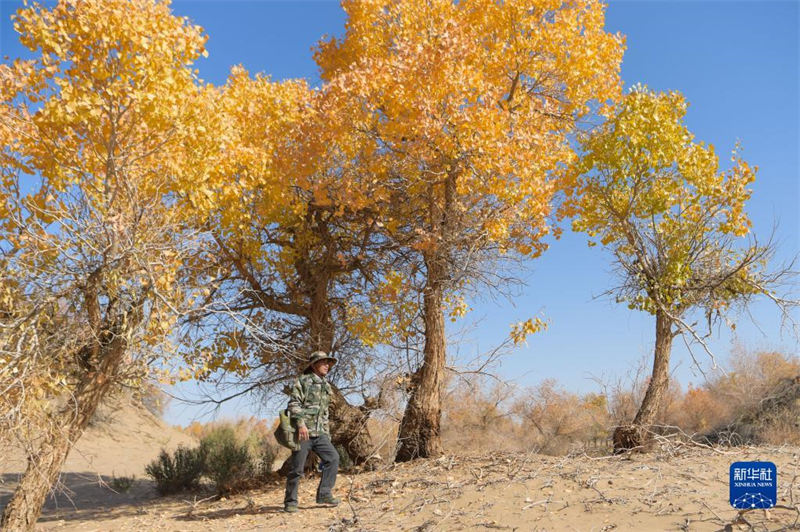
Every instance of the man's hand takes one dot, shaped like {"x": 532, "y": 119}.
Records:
{"x": 302, "y": 433}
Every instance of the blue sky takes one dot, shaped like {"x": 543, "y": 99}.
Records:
{"x": 736, "y": 63}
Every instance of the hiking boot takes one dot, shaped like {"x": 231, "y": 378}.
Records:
{"x": 290, "y": 508}
{"x": 328, "y": 500}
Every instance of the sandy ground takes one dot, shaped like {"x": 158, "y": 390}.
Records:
{"x": 675, "y": 487}
{"x": 684, "y": 489}
{"x": 106, "y": 450}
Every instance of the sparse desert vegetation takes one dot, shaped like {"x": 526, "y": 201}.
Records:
{"x": 160, "y": 230}
{"x": 514, "y": 457}
{"x": 756, "y": 400}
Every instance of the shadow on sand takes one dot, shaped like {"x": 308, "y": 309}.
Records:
{"x": 90, "y": 497}
{"x": 249, "y": 509}
{"x": 85, "y": 496}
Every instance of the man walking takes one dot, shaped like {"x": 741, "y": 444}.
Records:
{"x": 308, "y": 405}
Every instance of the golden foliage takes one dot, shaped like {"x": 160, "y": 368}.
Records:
{"x": 658, "y": 199}
{"x": 458, "y": 113}
{"x": 479, "y": 93}
{"x": 96, "y": 129}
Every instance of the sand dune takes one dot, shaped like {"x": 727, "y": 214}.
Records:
{"x": 121, "y": 442}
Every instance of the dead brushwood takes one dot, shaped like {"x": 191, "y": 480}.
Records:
{"x": 493, "y": 525}
{"x": 716, "y": 515}
{"x": 194, "y": 505}
{"x": 354, "y": 520}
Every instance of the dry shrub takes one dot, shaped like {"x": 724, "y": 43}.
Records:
{"x": 757, "y": 399}
{"x": 750, "y": 377}
{"x": 557, "y": 421}
{"x": 195, "y": 429}
{"x": 243, "y": 428}
{"x": 122, "y": 484}
{"x": 177, "y": 472}
{"x": 231, "y": 463}
{"x": 728, "y": 407}
{"x": 477, "y": 417}
{"x": 776, "y": 419}
{"x": 384, "y": 429}
{"x": 237, "y": 454}
{"x": 626, "y": 394}
{"x": 700, "y": 411}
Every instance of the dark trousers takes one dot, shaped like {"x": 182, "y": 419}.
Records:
{"x": 323, "y": 448}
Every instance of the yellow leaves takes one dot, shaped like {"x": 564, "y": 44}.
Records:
{"x": 393, "y": 286}
{"x": 97, "y": 56}
{"x": 416, "y": 93}
{"x": 521, "y": 330}
{"x": 183, "y": 375}
{"x": 369, "y": 327}
{"x": 249, "y": 131}
{"x": 646, "y": 150}
{"x": 497, "y": 229}
{"x": 102, "y": 134}
{"x": 321, "y": 197}
{"x": 652, "y": 193}
{"x": 482, "y": 83}
{"x": 432, "y": 73}
{"x": 456, "y": 307}
{"x": 164, "y": 281}
{"x": 384, "y": 313}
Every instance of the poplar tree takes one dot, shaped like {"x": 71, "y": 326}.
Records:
{"x": 94, "y": 130}
{"x": 468, "y": 106}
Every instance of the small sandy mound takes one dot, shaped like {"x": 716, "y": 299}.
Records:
{"x": 121, "y": 441}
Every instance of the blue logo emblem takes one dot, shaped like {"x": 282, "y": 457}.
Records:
{"x": 753, "y": 485}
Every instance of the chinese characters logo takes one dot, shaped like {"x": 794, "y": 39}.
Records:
{"x": 753, "y": 485}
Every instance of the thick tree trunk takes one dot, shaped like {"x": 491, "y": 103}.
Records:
{"x": 320, "y": 321}
{"x": 420, "y": 435}
{"x": 25, "y": 506}
{"x": 349, "y": 431}
{"x": 637, "y": 434}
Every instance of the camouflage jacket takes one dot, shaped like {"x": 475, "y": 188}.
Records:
{"x": 308, "y": 403}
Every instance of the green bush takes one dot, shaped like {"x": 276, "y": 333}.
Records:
{"x": 179, "y": 472}
{"x": 122, "y": 484}
{"x": 228, "y": 462}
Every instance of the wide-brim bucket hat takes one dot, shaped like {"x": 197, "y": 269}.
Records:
{"x": 316, "y": 356}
